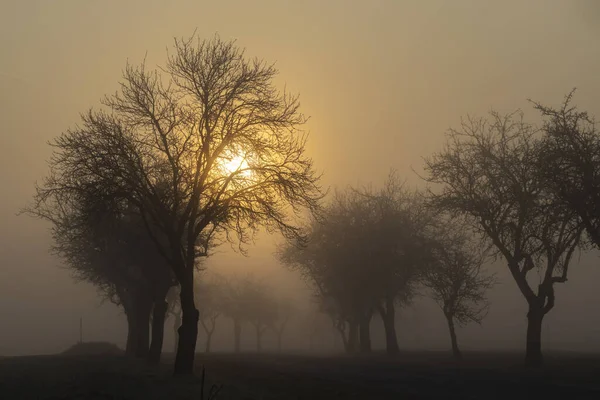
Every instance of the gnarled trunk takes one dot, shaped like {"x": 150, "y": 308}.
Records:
{"x": 176, "y": 325}
{"x": 388, "y": 316}
{"x": 365, "y": 333}
{"x": 188, "y": 331}
{"x": 352, "y": 342}
{"x": 129, "y": 306}
{"x": 143, "y": 307}
{"x": 340, "y": 327}
{"x": 158, "y": 330}
{"x": 208, "y": 341}
{"x": 132, "y": 333}
{"x": 209, "y": 328}
{"x": 454, "y": 341}
{"x": 533, "y": 350}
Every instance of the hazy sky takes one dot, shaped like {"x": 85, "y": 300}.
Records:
{"x": 381, "y": 81}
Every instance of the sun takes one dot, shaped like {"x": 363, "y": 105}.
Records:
{"x": 236, "y": 164}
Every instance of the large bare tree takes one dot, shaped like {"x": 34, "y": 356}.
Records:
{"x": 204, "y": 144}
{"x": 488, "y": 173}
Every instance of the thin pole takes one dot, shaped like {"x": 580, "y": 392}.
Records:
{"x": 80, "y": 329}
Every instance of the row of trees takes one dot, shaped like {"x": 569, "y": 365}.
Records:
{"x": 371, "y": 252}
{"x": 206, "y": 149}
{"x": 245, "y": 301}
{"x": 530, "y": 193}
{"x": 508, "y": 189}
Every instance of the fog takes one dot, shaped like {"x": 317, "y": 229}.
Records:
{"x": 381, "y": 81}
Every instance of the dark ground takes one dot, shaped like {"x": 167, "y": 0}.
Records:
{"x": 271, "y": 376}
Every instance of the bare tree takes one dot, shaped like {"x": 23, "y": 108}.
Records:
{"x": 456, "y": 280}
{"x": 104, "y": 242}
{"x": 570, "y": 157}
{"x": 396, "y": 249}
{"x": 363, "y": 256}
{"x": 209, "y": 293}
{"x": 326, "y": 262}
{"x": 235, "y": 295}
{"x": 206, "y": 144}
{"x": 488, "y": 173}
{"x": 284, "y": 311}
{"x": 259, "y": 306}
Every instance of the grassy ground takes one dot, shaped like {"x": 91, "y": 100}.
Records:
{"x": 270, "y": 376}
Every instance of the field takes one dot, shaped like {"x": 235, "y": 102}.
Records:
{"x": 272, "y": 376}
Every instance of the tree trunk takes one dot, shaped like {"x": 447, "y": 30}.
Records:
{"x": 188, "y": 331}
{"x": 388, "y": 316}
{"x": 143, "y": 308}
{"x": 237, "y": 334}
{"x": 158, "y": 330}
{"x": 208, "y": 340}
{"x": 455, "y": 350}
{"x": 533, "y": 352}
{"x": 176, "y": 325}
{"x": 352, "y": 343}
{"x": 365, "y": 334}
{"x": 341, "y": 329}
{"x": 132, "y": 333}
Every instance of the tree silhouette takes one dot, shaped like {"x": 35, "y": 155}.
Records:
{"x": 364, "y": 255}
{"x": 396, "y": 249}
{"x": 209, "y": 293}
{"x": 284, "y": 310}
{"x": 260, "y": 308}
{"x": 206, "y": 144}
{"x": 569, "y": 161}
{"x": 488, "y": 173}
{"x": 235, "y": 296}
{"x": 456, "y": 280}
{"x": 105, "y": 242}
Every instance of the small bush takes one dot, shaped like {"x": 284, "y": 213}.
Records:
{"x": 93, "y": 348}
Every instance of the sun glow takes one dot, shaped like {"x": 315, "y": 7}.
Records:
{"x": 236, "y": 164}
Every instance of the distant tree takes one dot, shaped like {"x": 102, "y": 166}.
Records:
{"x": 205, "y": 144}
{"x": 284, "y": 310}
{"x": 235, "y": 295}
{"x": 315, "y": 320}
{"x": 363, "y": 256}
{"x": 325, "y": 262}
{"x": 260, "y": 308}
{"x": 456, "y": 280}
{"x": 209, "y": 294}
{"x": 570, "y": 162}
{"x": 396, "y": 249}
{"x": 488, "y": 173}
{"x": 341, "y": 323}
